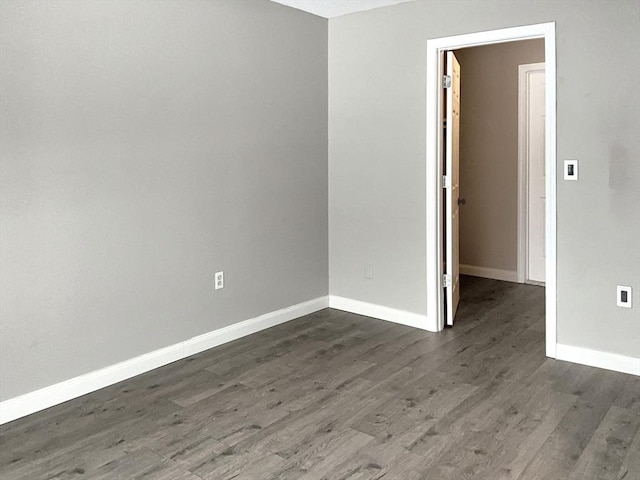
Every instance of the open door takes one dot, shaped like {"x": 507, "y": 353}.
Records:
{"x": 451, "y": 85}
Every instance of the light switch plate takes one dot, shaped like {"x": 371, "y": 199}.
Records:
{"x": 571, "y": 169}
{"x": 623, "y": 296}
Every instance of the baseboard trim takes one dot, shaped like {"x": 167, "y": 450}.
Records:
{"x": 46, "y": 397}
{"x": 595, "y": 358}
{"x": 378, "y": 311}
{"x": 493, "y": 273}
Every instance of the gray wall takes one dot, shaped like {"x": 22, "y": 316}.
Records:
{"x": 377, "y": 202}
{"x": 489, "y": 151}
{"x": 144, "y": 146}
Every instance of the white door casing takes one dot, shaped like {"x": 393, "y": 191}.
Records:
{"x": 531, "y": 173}
{"x": 434, "y": 168}
{"x": 452, "y": 185}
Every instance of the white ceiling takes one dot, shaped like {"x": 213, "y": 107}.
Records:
{"x": 335, "y": 8}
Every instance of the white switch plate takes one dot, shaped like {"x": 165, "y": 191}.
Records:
{"x": 219, "y": 279}
{"x": 623, "y": 296}
{"x": 571, "y": 169}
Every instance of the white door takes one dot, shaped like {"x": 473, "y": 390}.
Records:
{"x": 452, "y": 191}
{"x": 532, "y": 92}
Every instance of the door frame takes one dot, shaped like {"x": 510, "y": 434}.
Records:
{"x": 434, "y": 147}
{"x": 523, "y": 168}
{"x": 451, "y": 164}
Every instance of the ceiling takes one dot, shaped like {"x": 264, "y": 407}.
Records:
{"x": 335, "y": 8}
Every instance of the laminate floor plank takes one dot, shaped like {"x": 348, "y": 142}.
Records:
{"x": 503, "y": 442}
{"x": 335, "y": 395}
{"x": 410, "y": 413}
{"x": 472, "y": 412}
{"x": 305, "y": 428}
{"x": 629, "y": 396}
{"x": 560, "y": 453}
{"x": 142, "y": 464}
{"x": 630, "y": 468}
{"x": 604, "y": 454}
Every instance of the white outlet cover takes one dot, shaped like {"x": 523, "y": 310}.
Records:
{"x": 219, "y": 280}
{"x": 571, "y": 169}
{"x": 619, "y": 294}
{"x": 368, "y": 272}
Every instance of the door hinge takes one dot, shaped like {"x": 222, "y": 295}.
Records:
{"x": 446, "y": 280}
{"x": 446, "y": 81}
{"x": 446, "y": 181}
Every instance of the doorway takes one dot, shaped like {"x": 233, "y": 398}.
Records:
{"x": 532, "y": 197}
{"x": 494, "y": 158}
{"x": 437, "y": 240}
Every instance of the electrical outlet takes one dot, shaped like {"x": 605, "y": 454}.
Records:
{"x": 623, "y": 296}
{"x": 368, "y": 272}
{"x": 219, "y": 280}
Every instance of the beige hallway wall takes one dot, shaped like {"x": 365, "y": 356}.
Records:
{"x": 489, "y": 151}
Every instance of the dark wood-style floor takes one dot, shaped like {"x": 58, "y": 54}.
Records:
{"x": 340, "y": 396}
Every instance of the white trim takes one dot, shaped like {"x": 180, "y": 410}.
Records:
{"x": 378, "y": 311}
{"x": 595, "y": 358}
{"x": 61, "y": 392}
{"x": 493, "y": 273}
{"x": 523, "y": 165}
{"x": 435, "y": 294}
{"x": 551, "y": 334}
{"x": 435, "y": 49}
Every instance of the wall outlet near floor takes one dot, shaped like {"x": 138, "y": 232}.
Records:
{"x": 368, "y": 272}
{"x": 219, "y": 280}
{"x": 623, "y": 296}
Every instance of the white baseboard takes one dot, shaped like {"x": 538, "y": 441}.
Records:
{"x": 493, "y": 273}
{"x": 75, "y": 387}
{"x": 378, "y": 311}
{"x": 595, "y": 358}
